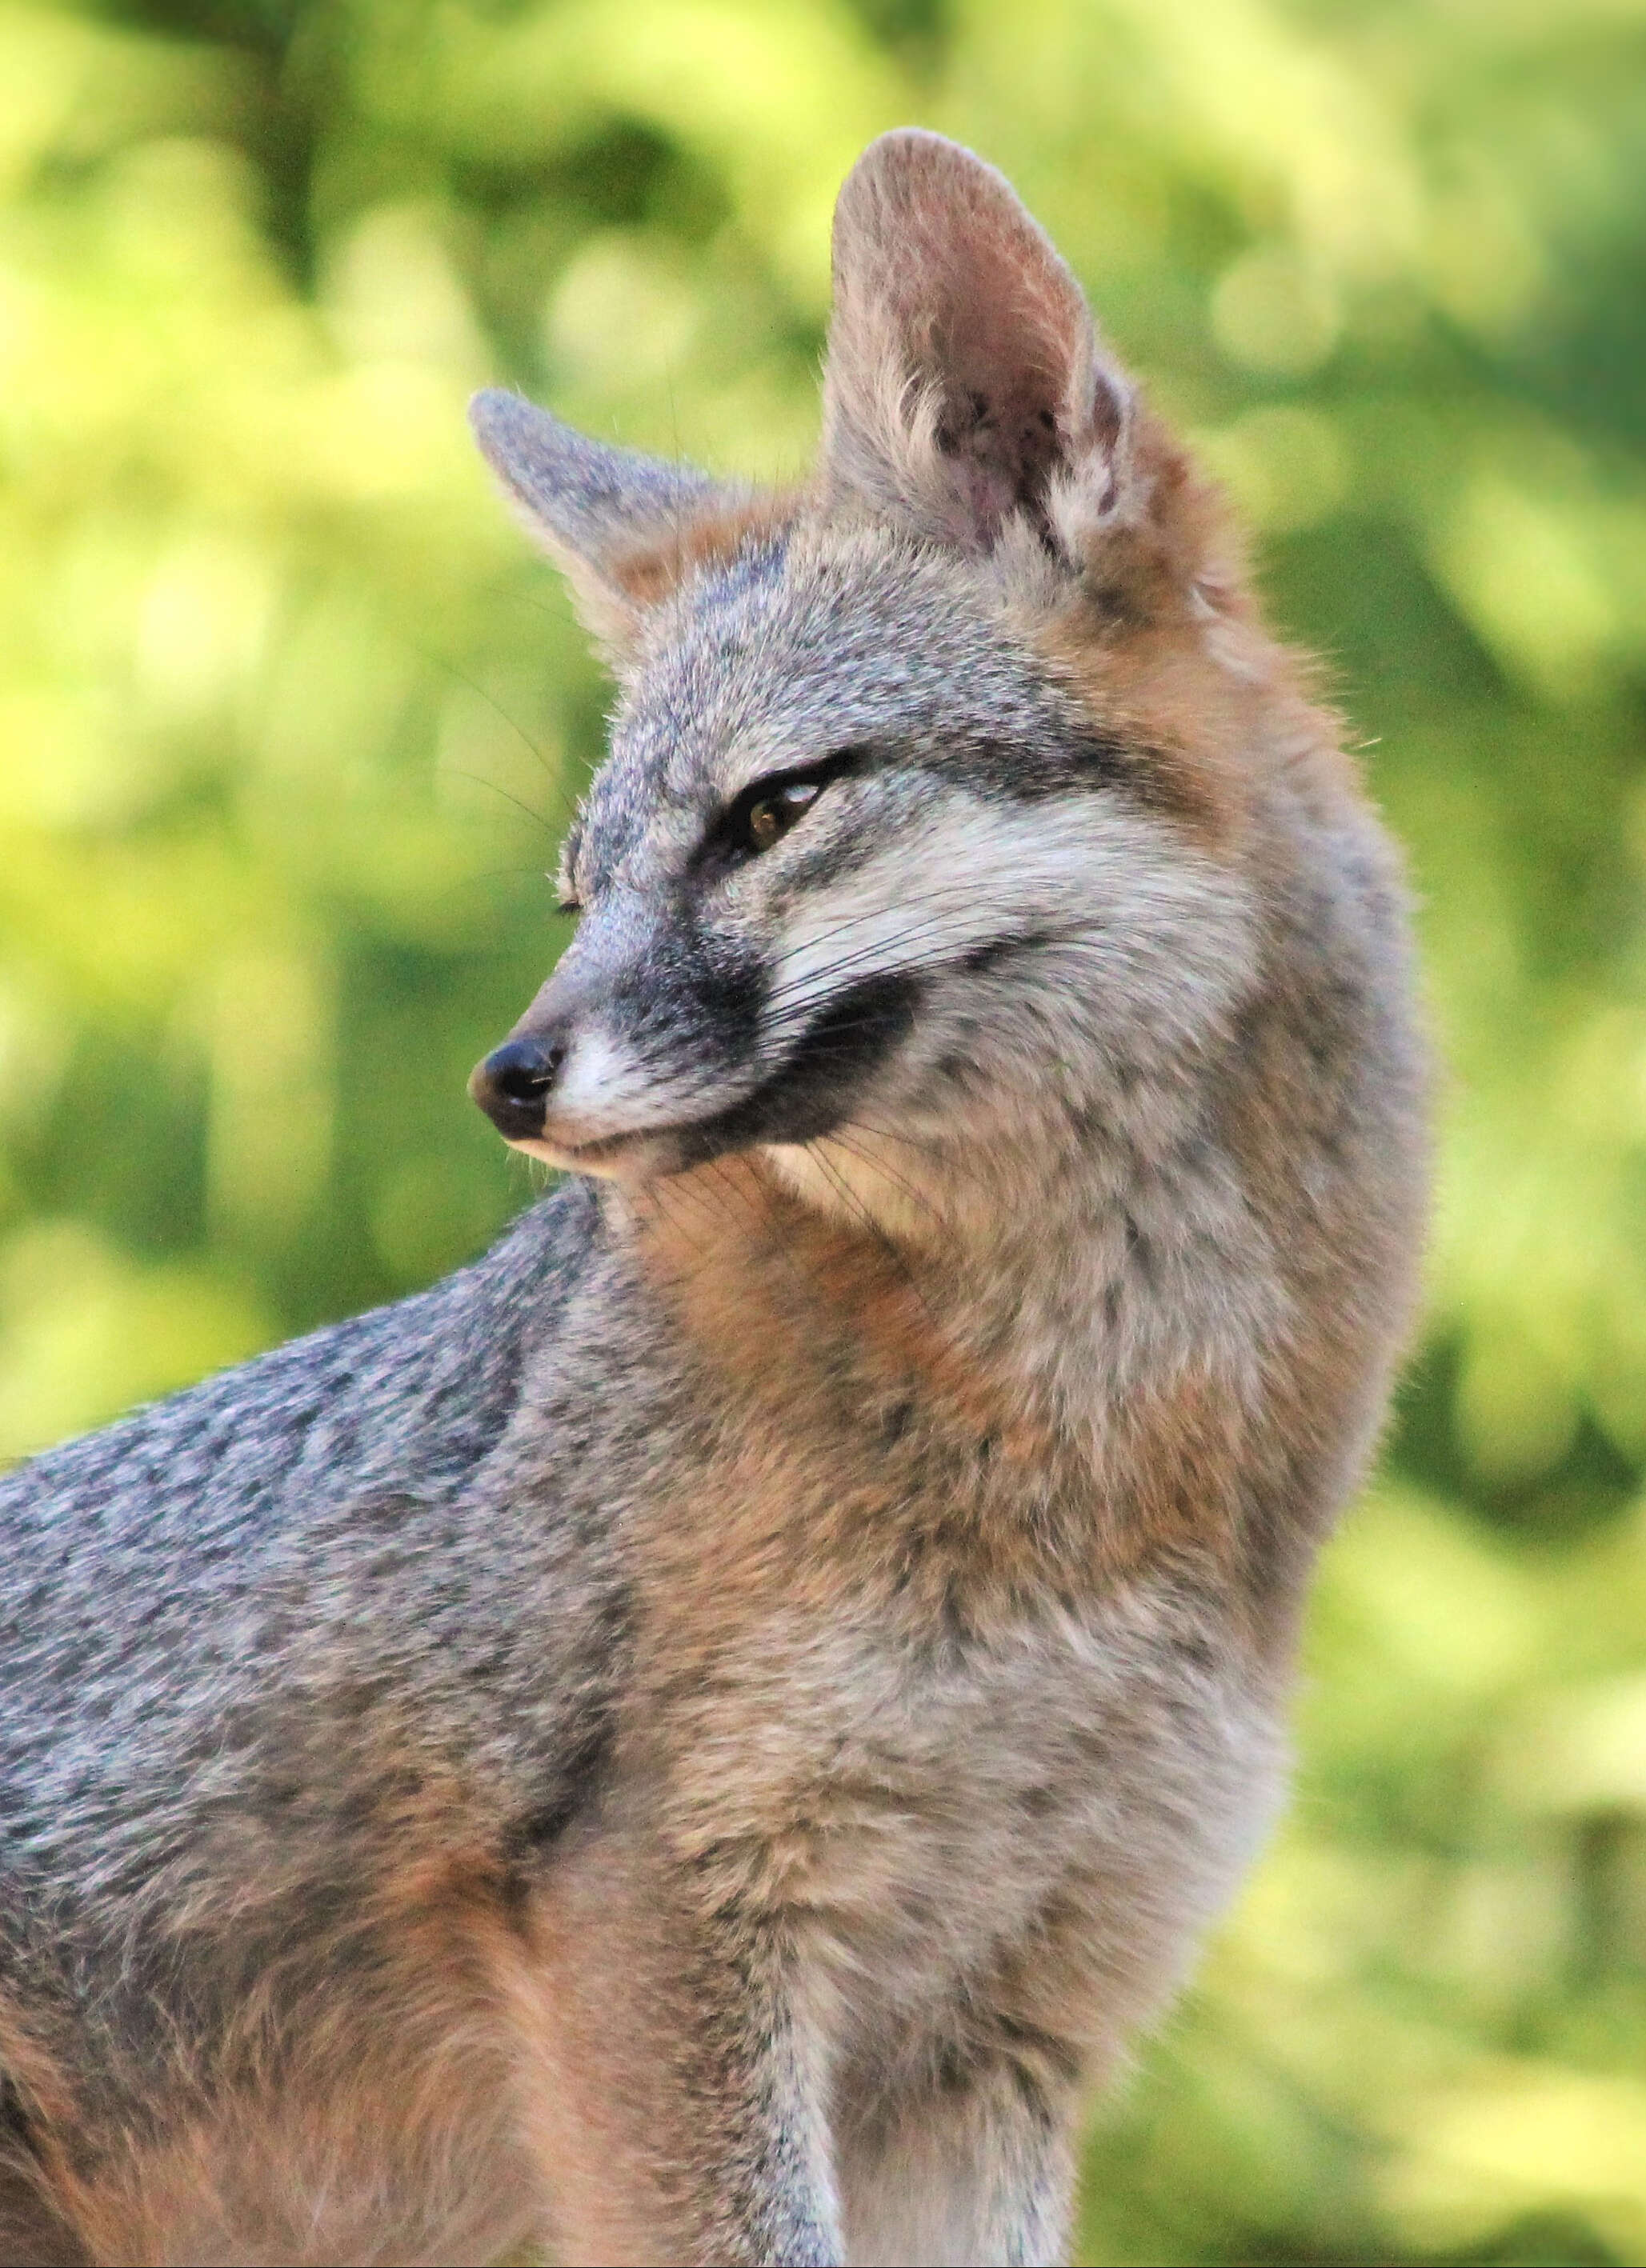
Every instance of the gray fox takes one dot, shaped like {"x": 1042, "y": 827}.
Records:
{"x": 703, "y": 1736}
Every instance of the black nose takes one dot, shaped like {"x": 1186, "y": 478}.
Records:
{"x": 512, "y": 1086}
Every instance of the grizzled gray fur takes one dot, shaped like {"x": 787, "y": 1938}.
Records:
{"x": 703, "y": 1736}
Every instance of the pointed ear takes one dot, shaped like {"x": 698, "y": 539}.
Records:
{"x": 615, "y": 522}
{"x": 965, "y": 381}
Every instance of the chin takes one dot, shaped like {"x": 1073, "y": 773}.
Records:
{"x": 612, "y": 1157}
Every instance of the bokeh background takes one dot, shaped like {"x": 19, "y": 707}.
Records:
{"x": 289, "y": 721}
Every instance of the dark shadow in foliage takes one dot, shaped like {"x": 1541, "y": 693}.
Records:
{"x": 1593, "y": 1484}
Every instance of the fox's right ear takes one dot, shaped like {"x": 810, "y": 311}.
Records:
{"x": 613, "y": 521}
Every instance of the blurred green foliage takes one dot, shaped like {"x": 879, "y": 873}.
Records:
{"x": 289, "y": 719}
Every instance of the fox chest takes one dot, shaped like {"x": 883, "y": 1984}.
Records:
{"x": 888, "y": 1695}
{"x": 919, "y": 1811}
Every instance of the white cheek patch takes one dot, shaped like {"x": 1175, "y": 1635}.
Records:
{"x": 977, "y": 872}
{"x": 607, "y": 1088}
{"x": 595, "y": 1075}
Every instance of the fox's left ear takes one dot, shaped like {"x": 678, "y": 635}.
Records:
{"x": 622, "y": 526}
{"x": 965, "y": 380}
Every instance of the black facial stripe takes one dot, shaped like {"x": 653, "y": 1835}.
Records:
{"x": 1068, "y": 758}
{"x": 812, "y": 1091}
{"x": 1035, "y": 774}
{"x": 977, "y": 960}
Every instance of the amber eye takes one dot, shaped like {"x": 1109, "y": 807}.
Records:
{"x": 768, "y": 807}
{"x": 770, "y": 816}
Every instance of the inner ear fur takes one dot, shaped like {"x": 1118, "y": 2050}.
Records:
{"x": 965, "y": 378}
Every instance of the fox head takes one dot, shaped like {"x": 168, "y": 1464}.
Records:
{"x": 922, "y": 824}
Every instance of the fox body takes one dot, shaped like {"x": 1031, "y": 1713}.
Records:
{"x": 702, "y": 1735}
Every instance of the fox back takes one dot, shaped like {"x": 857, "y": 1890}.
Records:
{"x": 703, "y": 1736}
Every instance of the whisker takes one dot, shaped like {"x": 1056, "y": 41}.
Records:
{"x": 876, "y": 1165}
{"x": 805, "y": 992}
{"x": 670, "y": 1213}
{"x": 536, "y": 818}
{"x": 899, "y": 1259}
{"x": 551, "y": 772}
{"x": 944, "y": 1155}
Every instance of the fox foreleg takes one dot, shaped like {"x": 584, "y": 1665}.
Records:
{"x": 977, "y": 2168}
{"x": 674, "y": 2103}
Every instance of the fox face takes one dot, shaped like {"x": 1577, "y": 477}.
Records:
{"x": 917, "y": 828}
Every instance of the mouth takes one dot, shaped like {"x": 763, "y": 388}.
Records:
{"x": 618, "y": 1157}
{"x": 808, "y": 1096}
{"x": 654, "y": 1153}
